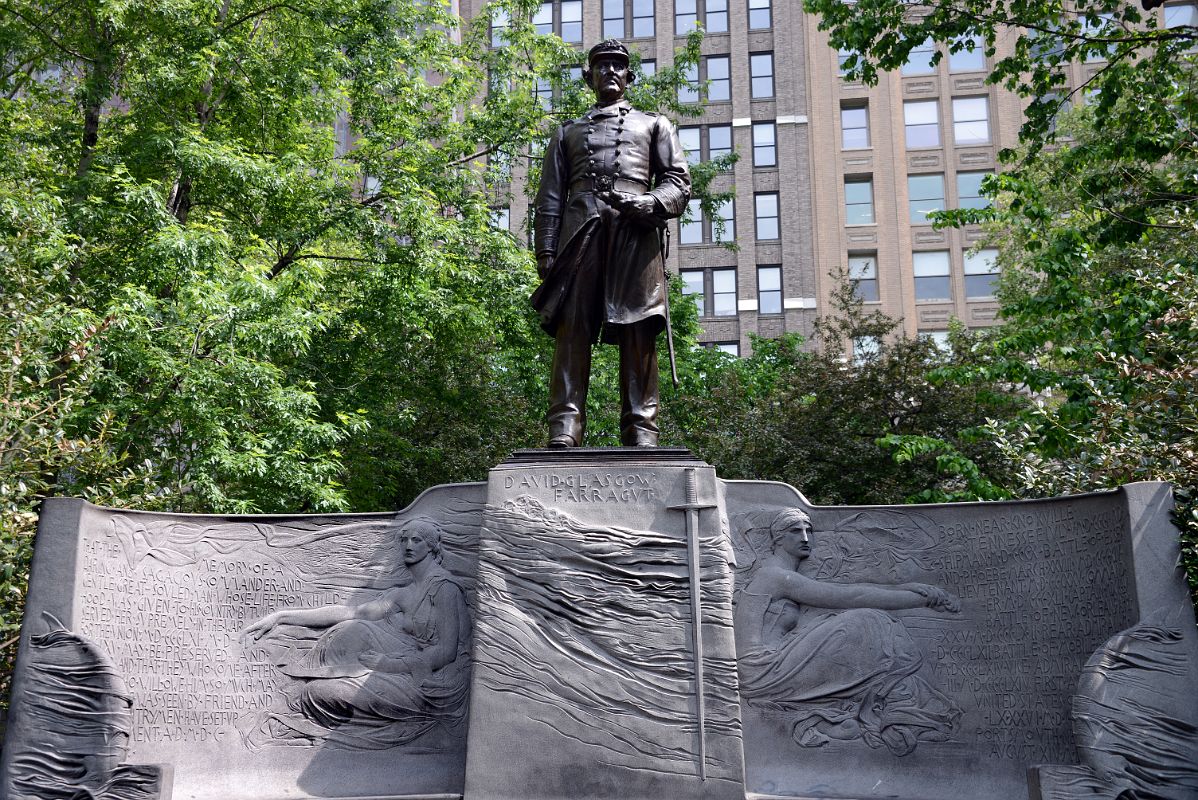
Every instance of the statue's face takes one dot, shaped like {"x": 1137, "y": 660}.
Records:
{"x": 796, "y": 539}
{"x": 609, "y": 78}
{"x": 413, "y": 545}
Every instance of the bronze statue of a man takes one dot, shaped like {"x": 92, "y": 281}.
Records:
{"x": 611, "y": 180}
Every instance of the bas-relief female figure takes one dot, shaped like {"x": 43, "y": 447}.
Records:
{"x": 851, "y": 673}
{"x": 382, "y": 673}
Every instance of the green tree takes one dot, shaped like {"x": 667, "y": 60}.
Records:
{"x": 829, "y": 424}
{"x": 247, "y": 256}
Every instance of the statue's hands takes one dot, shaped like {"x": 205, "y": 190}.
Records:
{"x": 639, "y": 206}
{"x": 544, "y": 264}
{"x": 262, "y": 627}
{"x": 936, "y": 598}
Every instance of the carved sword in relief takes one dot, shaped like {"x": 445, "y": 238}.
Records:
{"x": 691, "y": 508}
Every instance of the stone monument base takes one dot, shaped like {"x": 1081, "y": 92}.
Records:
{"x": 610, "y": 623}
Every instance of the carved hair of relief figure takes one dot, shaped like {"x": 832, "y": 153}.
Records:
{"x": 379, "y": 674}
{"x": 827, "y": 658}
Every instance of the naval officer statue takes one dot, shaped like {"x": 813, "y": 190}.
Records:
{"x": 611, "y": 180}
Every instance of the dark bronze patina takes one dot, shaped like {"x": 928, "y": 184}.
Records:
{"x": 611, "y": 180}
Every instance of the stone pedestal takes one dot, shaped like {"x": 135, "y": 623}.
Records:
{"x": 586, "y": 681}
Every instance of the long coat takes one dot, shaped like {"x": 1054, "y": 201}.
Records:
{"x": 607, "y": 266}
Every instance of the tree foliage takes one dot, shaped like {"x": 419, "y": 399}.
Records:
{"x": 829, "y": 425}
{"x": 247, "y": 254}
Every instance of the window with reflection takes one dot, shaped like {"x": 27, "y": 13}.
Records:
{"x": 765, "y": 144}
{"x": 858, "y": 201}
{"x": 863, "y": 276}
{"x": 971, "y": 120}
{"x": 761, "y": 75}
{"x": 760, "y": 16}
{"x": 854, "y": 127}
{"x": 921, "y": 120}
{"x": 769, "y": 289}
{"x": 970, "y": 58}
{"x": 981, "y": 274}
{"x": 919, "y": 60}
{"x": 969, "y": 189}
{"x": 925, "y": 194}
{"x": 932, "y": 282}
{"x": 765, "y": 207}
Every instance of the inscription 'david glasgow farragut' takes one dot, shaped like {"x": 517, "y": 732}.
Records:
{"x": 583, "y": 487}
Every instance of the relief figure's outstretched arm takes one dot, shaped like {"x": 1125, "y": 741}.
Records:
{"x": 323, "y": 617}
{"x": 822, "y": 594}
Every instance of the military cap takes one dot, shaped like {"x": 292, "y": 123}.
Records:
{"x": 608, "y": 47}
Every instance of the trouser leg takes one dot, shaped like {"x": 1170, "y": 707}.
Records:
{"x": 639, "y": 390}
{"x": 568, "y": 386}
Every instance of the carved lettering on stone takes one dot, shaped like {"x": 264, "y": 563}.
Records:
{"x": 170, "y": 602}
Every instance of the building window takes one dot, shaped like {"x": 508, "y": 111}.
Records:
{"x": 714, "y": 290}
{"x": 616, "y": 15}
{"x": 854, "y": 127}
{"x": 769, "y": 290}
{"x": 969, "y": 190}
{"x": 690, "y": 227}
{"x": 865, "y": 348}
{"x": 925, "y": 193}
{"x": 939, "y": 339}
{"x": 723, "y": 292}
{"x": 863, "y": 275}
{"x": 766, "y": 212}
{"x": 501, "y": 218}
{"x": 643, "y": 13}
{"x": 543, "y": 19}
{"x": 765, "y": 144}
{"x": 568, "y": 25}
{"x": 500, "y": 20}
{"x": 699, "y": 229}
{"x": 723, "y": 227}
{"x": 843, "y": 56}
{"x": 981, "y": 274}
{"x": 971, "y": 120}
{"x": 922, "y": 121}
{"x": 858, "y": 201}
{"x": 692, "y": 286}
{"x": 1178, "y": 15}
{"x": 716, "y": 74}
{"x": 970, "y": 58}
{"x": 613, "y": 19}
{"x": 571, "y": 24}
{"x": 688, "y": 92}
{"x": 691, "y": 141}
{"x": 648, "y": 67}
{"x": 761, "y": 75}
{"x": 719, "y": 77}
{"x": 931, "y": 276}
{"x": 719, "y": 141}
{"x": 731, "y": 348}
{"x": 712, "y": 13}
{"x": 759, "y": 15}
{"x": 919, "y": 60}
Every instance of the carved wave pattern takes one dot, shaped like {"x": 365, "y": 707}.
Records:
{"x": 592, "y": 627}
{"x": 78, "y": 722}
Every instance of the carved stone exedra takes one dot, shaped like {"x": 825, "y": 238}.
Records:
{"x": 536, "y": 638}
